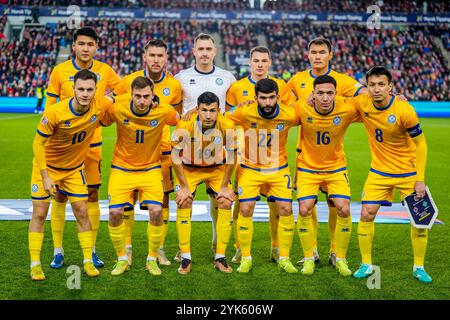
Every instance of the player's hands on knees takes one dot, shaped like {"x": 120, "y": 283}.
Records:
{"x": 188, "y": 114}
{"x": 49, "y": 186}
{"x": 227, "y": 193}
{"x": 182, "y": 196}
{"x": 420, "y": 189}
{"x": 310, "y": 100}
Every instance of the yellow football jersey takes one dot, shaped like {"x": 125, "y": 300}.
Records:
{"x": 69, "y": 132}
{"x": 390, "y": 131}
{"x": 138, "y": 136}
{"x": 265, "y": 139}
{"x": 302, "y": 86}
{"x": 322, "y": 136}
{"x": 168, "y": 89}
{"x": 61, "y": 83}
{"x": 204, "y": 149}
{"x": 244, "y": 90}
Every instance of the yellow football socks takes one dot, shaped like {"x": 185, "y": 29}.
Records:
{"x": 366, "y": 231}
{"x": 419, "y": 239}
{"x": 245, "y": 234}
{"x": 184, "y": 229}
{"x": 154, "y": 234}
{"x": 35, "y": 240}
{"x": 343, "y": 232}
{"x": 165, "y": 215}
{"x": 286, "y": 227}
{"x": 223, "y": 230}
{"x": 273, "y": 223}
{"x": 117, "y": 235}
{"x": 306, "y": 233}
{"x": 58, "y": 219}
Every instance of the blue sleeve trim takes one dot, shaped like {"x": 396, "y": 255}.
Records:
{"x": 306, "y": 198}
{"x": 230, "y": 105}
{"x": 250, "y": 199}
{"x": 43, "y": 134}
{"x": 414, "y": 131}
{"x": 93, "y": 145}
{"x": 299, "y": 150}
{"x": 357, "y": 91}
{"x": 96, "y": 186}
{"x": 165, "y": 153}
{"x": 52, "y": 95}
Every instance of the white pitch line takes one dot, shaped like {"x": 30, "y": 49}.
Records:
{"x": 18, "y": 117}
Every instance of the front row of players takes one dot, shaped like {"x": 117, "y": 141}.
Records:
{"x": 206, "y": 148}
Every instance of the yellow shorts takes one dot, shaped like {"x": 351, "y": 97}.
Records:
{"x": 211, "y": 176}
{"x": 277, "y": 184}
{"x": 166, "y": 168}
{"x": 92, "y": 164}
{"x": 70, "y": 183}
{"x": 264, "y": 191}
{"x": 123, "y": 182}
{"x": 335, "y": 184}
{"x": 379, "y": 189}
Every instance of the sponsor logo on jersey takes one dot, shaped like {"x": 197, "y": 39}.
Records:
{"x": 67, "y": 123}
{"x": 154, "y": 123}
{"x": 309, "y": 120}
{"x": 126, "y": 122}
{"x": 219, "y": 81}
{"x": 192, "y": 81}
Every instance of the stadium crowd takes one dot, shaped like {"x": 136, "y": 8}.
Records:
{"x": 301, "y": 5}
{"x": 408, "y": 51}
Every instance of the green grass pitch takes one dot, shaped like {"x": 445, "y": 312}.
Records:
{"x": 392, "y": 246}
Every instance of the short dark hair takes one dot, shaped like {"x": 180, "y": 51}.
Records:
{"x": 324, "y": 79}
{"x": 155, "y": 43}
{"x": 266, "y": 86}
{"x": 208, "y": 98}
{"x": 85, "y": 75}
{"x": 378, "y": 71}
{"x": 86, "y": 31}
{"x": 260, "y": 49}
{"x": 320, "y": 41}
{"x": 204, "y": 36}
{"x": 141, "y": 83}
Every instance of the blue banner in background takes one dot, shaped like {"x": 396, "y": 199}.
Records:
{"x": 423, "y": 108}
{"x": 254, "y": 15}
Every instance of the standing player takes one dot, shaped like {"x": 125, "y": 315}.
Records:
{"x": 60, "y": 146}
{"x": 319, "y": 55}
{"x": 136, "y": 166}
{"x": 205, "y": 76}
{"x": 399, "y": 155}
{"x": 243, "y": 91}
{"x": 85, "y": 45}
{"x": 266, "y": 124}
{"x": 204, "y": 151}
{"x": 168, "y": 90}
{"x": 322, "y": 163}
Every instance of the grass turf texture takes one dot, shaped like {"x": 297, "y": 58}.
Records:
{"x": 392, "y": 247}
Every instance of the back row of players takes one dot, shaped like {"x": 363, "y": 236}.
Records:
{"x": 67, "y": 155}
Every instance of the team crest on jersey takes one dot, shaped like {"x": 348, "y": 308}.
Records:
{"x": 67, "y": 123}
{"x": 177, "y": 188}
{"x": 217, "y": 140}
{"x": 219, "y": 81}
{"x": 392, "y": 119}
{"x": 337, "y": 120}
{"x": 166, "y": 92}
{"x": 126, "y": 122}
{"x": 253, "y": 125}
{"x": 93, "y": 118}
{"x": 303, "y": 85}
{"x": 240, "y": 191}
{"x": 280, "y": 126}
{"x": 192, "y": 81}
{"x": 245, "y": 93}
{"x": 309, "y": 120}
{"x": 44, "y": 121}
{"x": 154, "y": 123}
{"x": 34, "y": 188}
